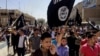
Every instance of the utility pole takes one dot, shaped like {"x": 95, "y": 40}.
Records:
{"x": 7, "y": 12}
{"x": 6, "y": 4}
{"x": 19, "y": 5}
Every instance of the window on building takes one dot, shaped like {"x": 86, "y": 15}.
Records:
{"x": 3, "y": 14}
{"x": 11, "y": 13}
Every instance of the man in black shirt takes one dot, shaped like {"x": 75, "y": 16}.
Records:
{"x": 14, "y": 40}
{"x": 71, "y": 43}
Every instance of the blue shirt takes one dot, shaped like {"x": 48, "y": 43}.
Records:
{"x": 63, "y": 51}
{"x": 54, "y": 42}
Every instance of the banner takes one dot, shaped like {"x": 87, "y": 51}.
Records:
{"x": 78, "y": 18}
{"x": 58, "y": 12}
{"x": 20, "y": 22}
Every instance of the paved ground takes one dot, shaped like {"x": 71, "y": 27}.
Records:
{"x": 3, "y": 49}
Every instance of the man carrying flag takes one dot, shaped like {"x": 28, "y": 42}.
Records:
{"x": 19, "y": 23}
{"x": 78, "y": 18}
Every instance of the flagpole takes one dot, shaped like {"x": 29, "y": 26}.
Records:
{"x": 6, "y": 9}
{"x": 19, "y": 4}
{"x": 14, "y": 22}
{"x": 67, "y": 21}
{"x": 7, "y": 12}
{"x": 18, "y": 17}
{"x": 6, "y": 4}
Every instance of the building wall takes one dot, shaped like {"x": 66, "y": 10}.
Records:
{"x": 3, "y": 17}
{"x": 79, "y": 6}
{"x": 91, "y": 13}
{"x": 98, "y": 3}
{"x": 15, "y": 14}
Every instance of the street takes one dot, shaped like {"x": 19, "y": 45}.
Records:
{"x": 3, "y": 49}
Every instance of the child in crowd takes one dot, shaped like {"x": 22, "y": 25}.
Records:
{"x": 62, "y": 47}
{"x": 46, "y": 49}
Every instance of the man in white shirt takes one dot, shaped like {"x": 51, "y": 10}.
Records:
{"x": 21, "y": 43}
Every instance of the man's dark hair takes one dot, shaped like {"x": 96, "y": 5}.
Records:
{"x": 87, "y": 33}
{"x": 95, "y": 31}
{"x": 57, "y": 33}
{"x": 45, "y": 35}
{"x": 71, "y": 33}
{"x": 90, "y": 35}
{"x": 84, "y": 36}
{"x": 63, "y": 38}
{"x": 36, "y": 29}
{"x": 22, "y": 30}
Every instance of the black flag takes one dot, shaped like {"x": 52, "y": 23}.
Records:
{"x": 58, "y": 12}
{"x": 20, "y": 22}
{"x": 92, "y": 25}
{"x": 35, "y": 23}
{"x": 70, "y": 22}
{"x": 78, "y": 18}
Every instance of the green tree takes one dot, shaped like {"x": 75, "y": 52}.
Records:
{"x": 41, "y": 21}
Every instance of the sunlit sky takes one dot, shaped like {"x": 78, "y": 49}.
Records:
{"x": 36, "y": 8}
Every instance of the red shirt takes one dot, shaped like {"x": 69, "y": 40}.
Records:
{"x": 83, "y": 41}
{"x": 89, "y": 51}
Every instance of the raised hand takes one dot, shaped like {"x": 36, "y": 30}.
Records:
{"x": 63, "y": 30}
{"x": 53, "y": 49}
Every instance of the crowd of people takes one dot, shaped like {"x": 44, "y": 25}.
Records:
{"x": 58, "y": 41}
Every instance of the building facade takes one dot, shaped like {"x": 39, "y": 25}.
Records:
{"x": 91, "y": 11}
{"x": 89, "y": 3}
{"x": 4, "y": 16}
